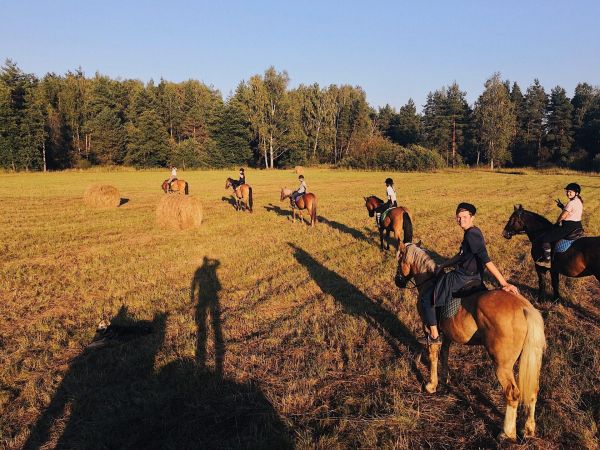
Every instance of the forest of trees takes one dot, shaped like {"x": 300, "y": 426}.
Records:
{"x": 66, "y": 121}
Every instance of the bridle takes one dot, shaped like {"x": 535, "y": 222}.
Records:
{"x": 512, "y": 233}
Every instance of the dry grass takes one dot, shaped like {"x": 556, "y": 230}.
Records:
{"x": 102, "y": 196}
{"x": 264, "y": 333}
{"x": 179, "y": 212}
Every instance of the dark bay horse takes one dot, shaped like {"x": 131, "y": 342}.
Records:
{"x": 243, "y": 194}
{"x": 582, "y": 259}
{"x": 179, "y": 186}
{"x": 507, "y": 325}
{"x": 397, "y": 220}
{"x": 307, "y": 201}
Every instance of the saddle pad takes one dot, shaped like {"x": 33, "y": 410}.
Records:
{"x": 563, "y": 245}
{"x": 450, "y": 309}
{"x": 385, "y": 213}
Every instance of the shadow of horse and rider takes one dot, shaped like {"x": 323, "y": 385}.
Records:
{"x": 112, "y": 397}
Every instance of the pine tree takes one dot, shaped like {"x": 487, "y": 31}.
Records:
{"x": 559, "y": 137}
{"x": 106, "y": 135}
{"x": 495, "y": 118}
{"x": 233, "y": 135}
{"x": 405, "y": 127}
{"x": 582, "y": 101}
{"x": 536, "y": 107}
{"x": 148, "y": 143}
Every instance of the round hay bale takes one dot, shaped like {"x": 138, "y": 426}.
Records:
{"x": 179, "y": 212}
{"x": 102, "y": 196}
{"x": 299, "y": 170}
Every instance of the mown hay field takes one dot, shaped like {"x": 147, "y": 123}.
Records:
{"x": 254, "y": 332}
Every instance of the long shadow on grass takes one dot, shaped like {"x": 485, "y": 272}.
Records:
{"x": 204, "y": 290}
{"x": 278, "y": 210}
{"x": 356, "y": 234}
{"x": 357, "y": 303}
{"x": 111, "y": 397}
{"x": 229, "y": 200}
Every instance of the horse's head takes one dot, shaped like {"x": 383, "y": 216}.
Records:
{"x": 371, "y": 203}
{"x": 285, "y": 193}
{"x": 413, "y": 261}
{"x": 516, "y": 223}
{"x": 228, "y": 183}
{"x": 165, "y": 186}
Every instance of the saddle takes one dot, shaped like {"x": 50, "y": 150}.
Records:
{"x": 565, "y": 243}
{"x": 384, "y": 214}
{"x": 450, "y": 309}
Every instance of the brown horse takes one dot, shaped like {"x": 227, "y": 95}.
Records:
{"x": 505, "y": 323}
{"x": 397, "y": 220}
{"x": 307, "y": 201}
{"x": 582, "y": 259}
{"x": 243, "y": 195}
{"x": 179, "y": 186}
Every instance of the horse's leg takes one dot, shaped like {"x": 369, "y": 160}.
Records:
{"x": 506, "y": 377}
{"x": 434, "y": 351}
{"x": 387, "y": 239}
{"x": 555, "y": 277}
{"x": 541, "y": 282}
{"x": 444, "y": 353}
{"x": 381, "y": 237}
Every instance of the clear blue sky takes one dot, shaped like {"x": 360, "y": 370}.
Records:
{"x": 393, "y": 49}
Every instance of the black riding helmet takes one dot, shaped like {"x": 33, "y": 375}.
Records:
{"x": 389, "y": 181}
{"x": 573, "y": 187}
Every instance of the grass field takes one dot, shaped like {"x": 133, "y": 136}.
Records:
{"x": 255, "y": 332}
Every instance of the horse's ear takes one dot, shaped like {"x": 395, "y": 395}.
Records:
{"x": 516, "y": 207}
{"x": 418, "y": 244}
{"x": 520, "y": 206}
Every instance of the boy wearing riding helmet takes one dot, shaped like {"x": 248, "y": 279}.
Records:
{"x": 242, "y": 179}
{"x": 391, "y": 199}
{"x": 568, "y": 221}
{"x": 470, "y": 262}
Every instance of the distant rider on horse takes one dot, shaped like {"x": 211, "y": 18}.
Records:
{"x": 470, "y": 262}
{"x": 172, "y": 178}
{"x": 391, "y": 200}
{"x": 568, "y": 221}
{"x": 302, "y": 189}
{"x": 241, "y": 180}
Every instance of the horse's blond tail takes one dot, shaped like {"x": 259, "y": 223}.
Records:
{"x": 530, "y": 363}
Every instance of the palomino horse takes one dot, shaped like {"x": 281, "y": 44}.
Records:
{"x": 179, "y": 186}
{"x": 398, "y": 219}
{"x": 306, "y": 201}
{"x": 243, "y": 195}
{"x": 582, "y": 259}
{"x": 505, "y": 323}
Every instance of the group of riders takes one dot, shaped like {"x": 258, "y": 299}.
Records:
{"x": 472, "y": 258}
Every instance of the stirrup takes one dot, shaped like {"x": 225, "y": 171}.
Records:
{"x": 543, "y": 262}
{"x": 427, "y": 340}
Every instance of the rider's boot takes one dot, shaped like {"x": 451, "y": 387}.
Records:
{"x": 378, "y": 218}
{"x": 546, "y": 260}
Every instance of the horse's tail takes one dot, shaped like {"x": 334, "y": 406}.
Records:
{"x": 187, "y": 189}
{"x": 313, "y": 211}
{"x": 407, "y": 227}
{"x": 531, "y": 356}
{"x": 250, "y": 201}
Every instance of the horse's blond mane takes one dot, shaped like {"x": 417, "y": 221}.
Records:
{"x": 420, "y": 259}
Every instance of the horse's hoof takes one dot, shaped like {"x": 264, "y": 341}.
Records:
{"x": 430, "y": 388}
{"x": 503, "y": 437}
{"x": 529, "y": 432}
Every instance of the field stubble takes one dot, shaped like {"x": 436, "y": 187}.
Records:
{"x": 265, "y": 333}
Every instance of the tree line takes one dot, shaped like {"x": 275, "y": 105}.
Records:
{"x": 66, "y": 121}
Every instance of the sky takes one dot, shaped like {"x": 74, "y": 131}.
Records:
{"x": 394, "y": 50}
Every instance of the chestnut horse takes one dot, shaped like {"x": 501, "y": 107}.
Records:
{"x": 582, "y": 259}
{"x": 505, "y": 323}
{"x": 398, "y": 219}
{"x": 306, "y": 201}
{"x": 179, "y": 186}
{"x": 243, "y": 195}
